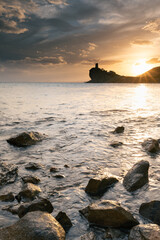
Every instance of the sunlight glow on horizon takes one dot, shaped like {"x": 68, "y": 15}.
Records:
{"x": 141, "y": 67}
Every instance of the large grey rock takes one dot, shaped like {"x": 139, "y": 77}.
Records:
{"x": 151, "y": 145}
{"x": 145, "y": 232}
{"x": 137, "y": 176}
{"x": 109, "y": 214}
{"x": 36, "y": 205}
{"x": 34, "y": 226}
{"x": 64, "y": 220}
{"x": 151, "y": 210}
{"x": 8, "y": 173}
{"x": 26, "y": 139}
{"x": 98, "y": 186}
{"x": 29, "y": 191}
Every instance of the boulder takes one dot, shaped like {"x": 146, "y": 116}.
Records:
{"x": 151, "y": 145}
{"x": 119, "y": 130}
{"x": 145, "y": 232}
{"x": 36, "y": 205}
{"x": 8, "y": 173}
{"x": 34, "y": 226}
{"x": 64, "y": 220}
{"x": 31, "y": 179}
{"x": 96, "y": 187}
{"x": 33, "y": 166}
{"x": 9, "y": 197}
{"x": 109, "y": 214}
{"x": 116, "y": 144}
{"x": 151, "y": 210}
{"x": 88, "y": 236}
{"x": 26, "y": 139}
{"x": 137, "y": 176}
{"x": 29, "y": 191}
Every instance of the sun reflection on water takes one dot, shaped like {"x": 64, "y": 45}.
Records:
{"x": 139, "y": 99}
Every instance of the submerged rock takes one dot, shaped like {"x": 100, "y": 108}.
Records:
{"x": 8, "y": 173}
{"x": 116, "y": 144}
{"x": 12, "y": 209}
{"x": 33, "y": 166}
{"x": 151, "y": 145}
{"x": 26, "y": 139}
{"x": 137, "y": 176}
{"x": 96, "y": 187}
{"x": 7, "y": 197}
{"x": 151, "y": 210}
{"x": 34, "y": 226}
{"x": 145, "y": 232}
{"x": 109, "y": 214}
{"x": 29, "y": 191}
{"x": 64, "y": 220}
{"x": 36, "y": 205}
{"x": 119, "y": 130}
{"x": 31, "y": 179}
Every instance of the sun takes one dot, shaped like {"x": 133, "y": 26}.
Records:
{"x": 140, "y": 67}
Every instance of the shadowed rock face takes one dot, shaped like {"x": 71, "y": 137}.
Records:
{"x": 109, "y": 214}
{"x": 34, "y": 226}
{"x": 26, "y": 139}
{"x": 8, "y": 173}
{"x": 64, "y": 220}
{"x": 137, "y": 176}
{"x": 145, "y": 232}
{"x": 151, "y": 210}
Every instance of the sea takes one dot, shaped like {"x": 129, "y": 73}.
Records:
{"x": 79, "y": 120}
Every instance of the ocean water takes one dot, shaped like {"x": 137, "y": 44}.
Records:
{"x": 78, "y": 120}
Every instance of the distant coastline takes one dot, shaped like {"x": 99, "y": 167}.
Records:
{"x": 99, "y": 75}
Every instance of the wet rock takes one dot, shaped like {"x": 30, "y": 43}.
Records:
{"x": 116, "y": 234}
{"x": 137, "y": 176}
{"x": 66, "y": 166}
{"x": 96, "y": 187}
{"x": 53, "y": 169}
{"x": 8, "y": 173}
{"x": 26, "y": 139}
{"x": 145, "y": 232}
{"x": 59, "y": 176}
{"x": 116, "y": 144}
{"x": 7, "y": 197}
{"x": 151, "y": 145}
{"x": 64, "y": 220}
{"x": 29, "y": 191}
{"x": 109, "y": 214}
{"x": 31, "y": 179}
{"x": 88, "y": 236}
{"x": 12, "y": 209}
{"x": 151, "y": 210}
{"x": 34, "y": 226}
{"x": 33, "y": 166}
{"x": 119, "y": 130}
{"x": 36, "y": 205}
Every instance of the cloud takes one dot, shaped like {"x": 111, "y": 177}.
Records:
{"x": 86, "y": 52}
{"x": 102, "y": 61}
{"x": 142, "y": 42}
{"x": 11, "y": 27}
{"x": 153, "y": 26}
{"x": 153, "y": 61}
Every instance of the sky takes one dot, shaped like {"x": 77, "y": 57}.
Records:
{"x": 60, "y": 40}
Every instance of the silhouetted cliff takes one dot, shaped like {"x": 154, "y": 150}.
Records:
{"x": 99, "y": 75}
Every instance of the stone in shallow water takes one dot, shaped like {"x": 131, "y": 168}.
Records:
{"x": 96, "y": 187}
{"x": 34, "y": 226}
{"x": 33, "y": 166}
{"x": 145, "y": 232}
{"x": 116, "y": 144}
{"x": 31, "y": 179}
{"x": 119, "y": 130}
{"x": 137, "y": 176}
{"x": 8, "y": 173}
{"x": 109, "y": 214}
{"x": 151, "y": 145}
{"x": 7, "y": 197}
{"x": 26, "y": 139}
{"x": 64, "y": 220}
{"x": 29, "y": 191}
{"x": 151, "y": 210}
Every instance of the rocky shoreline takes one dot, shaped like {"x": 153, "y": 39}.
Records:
{"x": 36, "y": 221}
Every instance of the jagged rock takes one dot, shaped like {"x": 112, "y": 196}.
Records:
{"x": 145, "y": 232}
{"x": 34, "y": 226}
{"x": 7, "y": 197}
{"x": 26, "y": 139}
{"x": 64, "y": 220}
{"x": 151, "y": 145}
{"x": 116, "y": 144}
{"x": 36, "y": 205}
{"x": 31, "y": 179}
{"x": 119, "y": 130}
{"x": 137, "y": 176}
{"x": 29, "y": 191}
{"x": 88, "y": 236}
{"x": 8, "y": 173}
{"x": 53, "y": 169}
{"x": 96, "y": 187}
{"x": 33, "y": 166}
{"x": 109, "y": 214}
{"x": 151, "y": 210}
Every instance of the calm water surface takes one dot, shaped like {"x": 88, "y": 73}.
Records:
{"x": 78, "y": 119}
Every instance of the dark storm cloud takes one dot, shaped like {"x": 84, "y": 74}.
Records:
{"x": 69, "y": 31}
